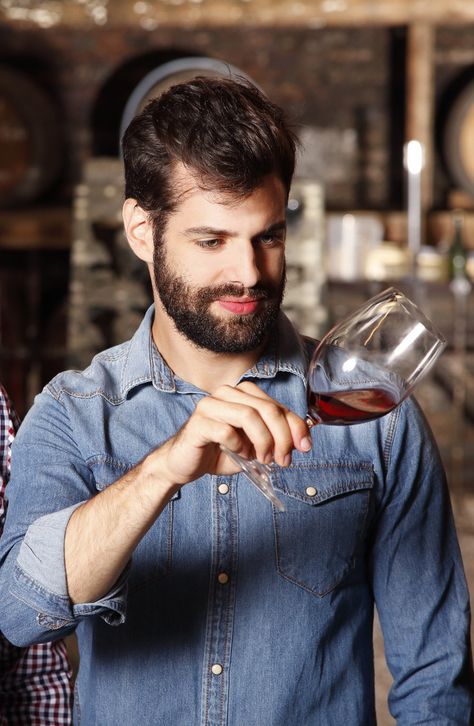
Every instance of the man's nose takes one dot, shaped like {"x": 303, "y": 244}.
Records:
{"x": 244, "y": 268}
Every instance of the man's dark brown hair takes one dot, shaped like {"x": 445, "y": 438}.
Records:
{"x": 225, "y": 131}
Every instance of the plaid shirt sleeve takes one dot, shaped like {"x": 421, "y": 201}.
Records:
{"x": 35, "y": 682}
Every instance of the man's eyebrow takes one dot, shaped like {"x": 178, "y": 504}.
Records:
{"x": 208, "y": 232}
{"x": 213, "y": 232}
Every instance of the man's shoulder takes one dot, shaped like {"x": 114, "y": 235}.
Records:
{"x": 103, "y": 376}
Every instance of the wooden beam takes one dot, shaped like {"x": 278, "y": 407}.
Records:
{"x": 35, "y": 229}
{"x": 420, "y": 101}
{"x": 154, "y": 14}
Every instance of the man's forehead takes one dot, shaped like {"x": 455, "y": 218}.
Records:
{"x": 187, "y": 182}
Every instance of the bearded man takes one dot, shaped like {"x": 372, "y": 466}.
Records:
{"x": 194, "y": 601}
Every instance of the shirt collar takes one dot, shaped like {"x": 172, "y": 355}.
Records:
{"x": 285, "y": 353}
{"x": 144, "y": 364}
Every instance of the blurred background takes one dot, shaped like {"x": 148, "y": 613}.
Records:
{"x": 362, "y": 80}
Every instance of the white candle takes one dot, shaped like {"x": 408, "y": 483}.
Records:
{"x": 414, "y": 163}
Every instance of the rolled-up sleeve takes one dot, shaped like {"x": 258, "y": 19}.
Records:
{"x": 49, "y": 480}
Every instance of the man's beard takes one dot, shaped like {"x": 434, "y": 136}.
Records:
{"x": 189, "y": 308}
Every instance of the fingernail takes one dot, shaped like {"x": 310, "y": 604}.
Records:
{"x": 306, "y": 443}
{"x": 287, "y": 460}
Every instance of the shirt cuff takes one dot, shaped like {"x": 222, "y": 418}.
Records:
{"x": 39, "y": 578}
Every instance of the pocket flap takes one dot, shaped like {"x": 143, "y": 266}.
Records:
{"x": 314, "y": 482}
{"x": 317, "y": 538}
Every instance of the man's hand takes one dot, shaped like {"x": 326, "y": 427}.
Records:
{"x": 242, "y": 418}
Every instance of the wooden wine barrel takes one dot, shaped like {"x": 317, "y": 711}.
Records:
{"x": 168, "y": 74}
{"x": 30, "y": 149}
{"x": 459, "y": 139}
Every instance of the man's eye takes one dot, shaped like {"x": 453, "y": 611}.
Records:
{"x": 269, "y": 240}
{"x": 209, "y": 244}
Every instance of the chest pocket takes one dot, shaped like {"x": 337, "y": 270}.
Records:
{"x": 153, "y": 555}
{"x": 318, "y": 535}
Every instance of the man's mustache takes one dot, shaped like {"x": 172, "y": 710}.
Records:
{"x": 258, "y": 292}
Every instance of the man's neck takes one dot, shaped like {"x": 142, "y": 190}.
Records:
{"x": 202, "y": 368}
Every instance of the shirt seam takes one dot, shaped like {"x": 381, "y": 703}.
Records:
{"x": 388, "y": 445}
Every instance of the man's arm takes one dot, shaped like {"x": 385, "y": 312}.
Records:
{"x": 102, "y": 534}
{"x": 419, "y": 584}
{"x": 65, "y": 546}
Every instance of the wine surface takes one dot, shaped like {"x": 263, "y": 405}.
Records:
{"x": 350, "y": 407}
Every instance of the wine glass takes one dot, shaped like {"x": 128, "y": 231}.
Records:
{"x": 363, "y": 368}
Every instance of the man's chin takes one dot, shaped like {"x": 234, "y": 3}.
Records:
{"x": 237, "y": 335}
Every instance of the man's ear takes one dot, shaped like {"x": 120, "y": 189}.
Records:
{"x": 139, "y": 230}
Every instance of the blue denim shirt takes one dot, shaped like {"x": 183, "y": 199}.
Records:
{"x": 282, "y": 603}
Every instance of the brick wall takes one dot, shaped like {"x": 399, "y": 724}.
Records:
{"x": 347, "y": 83}
{"x": 336, "y": 79}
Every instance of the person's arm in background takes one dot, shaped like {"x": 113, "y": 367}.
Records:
{"x": 418, "y": 582}
{"x": 35, "y": 682}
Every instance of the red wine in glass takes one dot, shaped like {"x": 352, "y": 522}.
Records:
{"x": 340, "y": 408}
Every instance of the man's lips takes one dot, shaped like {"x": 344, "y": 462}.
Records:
{"x": 240, "y": 307}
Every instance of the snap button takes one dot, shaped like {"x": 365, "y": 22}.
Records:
{"x": 311, "y": 491}
{"x": 223, "y": 488}
{"x": 223, "y": 578}
{"x": 217, "y": 669}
